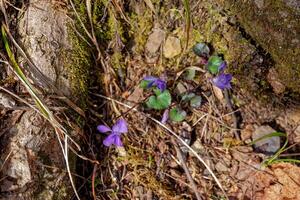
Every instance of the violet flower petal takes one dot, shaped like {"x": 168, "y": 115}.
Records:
{"x": 161, "y": 85}
{"x": 223, "y": 66}
{"x": 109, "y": 140}
{"x": 120, "y": 126}
{"x": 118, "y": 141}
{"x": 165, "y": 117}
{"x": 103, "y": 129}
{"x": 222, "y": 81}
{"x": 150, "y": 84}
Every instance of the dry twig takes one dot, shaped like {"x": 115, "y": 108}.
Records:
{"x": 186, "y": 170}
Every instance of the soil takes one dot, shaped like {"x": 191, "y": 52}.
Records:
{"x": 86, "y": 59}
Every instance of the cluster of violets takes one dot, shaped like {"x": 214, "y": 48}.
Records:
{"x": 161, "y": 98}
{"x": 215, "y": 65}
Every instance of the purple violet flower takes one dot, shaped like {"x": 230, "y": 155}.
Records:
{"x": 165, "y": 116}
{"x": 115, "y": 136}
{"x": 223, "y": 66}
{"x": 154, "y": 81}
{"x": 222, "y": 81}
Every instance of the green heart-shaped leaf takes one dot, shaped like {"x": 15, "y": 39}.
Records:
{"x": 177, "y": 114}
{"x": 213, "y": 64}
{"x": 159, "y": 102}
{"x": 157, "y": 91}
{"x": 187, "y": 96}
{"x": 201, "y": 49}
{"x": 196, "y": 101}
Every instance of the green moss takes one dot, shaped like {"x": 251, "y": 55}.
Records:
{"x": 226, "y": 40}
{"x": 140, "y": 29}
{"x": 141, "y": 162}
{"x": 61, "y": 193}
{"x": 78, "y": 61}
{"x": 276, "y": 28}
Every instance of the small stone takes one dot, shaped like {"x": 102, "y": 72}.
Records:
{"x": 180, "y": 88}
{"x": 7, "y": 101}
{"x": 220, "y": 167}
{"x": 246, "y": 132}
{"x": 155, "y": 40}
{"x": 172, "y": 47}
{"x": 268, "y": 145}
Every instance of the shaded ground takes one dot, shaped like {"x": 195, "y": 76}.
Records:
{"x": 126, "y": 42}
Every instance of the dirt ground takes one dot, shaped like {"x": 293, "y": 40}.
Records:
{"x": 101, "y": 51}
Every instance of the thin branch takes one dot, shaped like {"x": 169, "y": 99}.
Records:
{"x": 186, "y": 170}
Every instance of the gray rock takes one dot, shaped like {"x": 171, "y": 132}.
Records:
{"x": 44, "y": 34}
{"x": 155, "y": 40}
{"x": 31, "y": 143}
{"x": 172, "y": 47}
{"x": 22, "y": 137}
{"x": 268, "y": 145}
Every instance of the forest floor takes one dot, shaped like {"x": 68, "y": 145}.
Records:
{"x": 215, "y": 152}
{"x": 154, "y": 164}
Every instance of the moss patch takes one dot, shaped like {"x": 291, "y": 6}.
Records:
{"x": 276, "y": 27}
{"x": 78, "y": 61}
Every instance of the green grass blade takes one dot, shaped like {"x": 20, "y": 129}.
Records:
{"x": 22, "y": 76}
{"x": 276, "y": 155}
{"x": 274, "y": 134}
{"x": 289, "y": 160}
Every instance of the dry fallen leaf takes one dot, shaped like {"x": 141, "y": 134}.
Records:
{"x": 218, "y": 93}
{"x": 288, "y": 185}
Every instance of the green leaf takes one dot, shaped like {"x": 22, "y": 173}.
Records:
{"x": 190, "y": 74}
{"x": 213, "y": 64}
{"x": 160, "y": 102}
{"x": 157, "y": 91}
{"x": 196, "y": 101}
{"x": 177, "y": 114}
{"x": 144, "y": 84}
{"x": 187, "y": 96}
{"x": 201, "y": 49}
